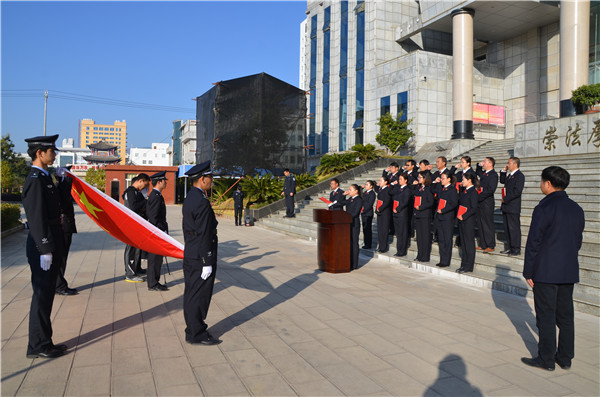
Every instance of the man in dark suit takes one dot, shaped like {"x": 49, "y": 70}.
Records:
{"x": 514, "y": 182}
{"x": 135, "y": 201}
{"x": 289, "y": 190}
{"x": 411, "y": 172}
{"x": 354, "y": 206}
{"x": 156, "y": 211}
{"x": 551, "y": 268}
{"x": 367, "y": 214}
{"x": 440, "y": 163}
{"x": 67, "y": 221}
{"x": 384, "y": 215}
{"x": 336, "y": 196}
{"x": 199, "y": 255}
{"x": 238, "y": 205}
{"x": 45, "y": 245}
{"x": 488, "y": 182}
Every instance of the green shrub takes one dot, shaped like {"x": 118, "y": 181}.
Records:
{"x": 10, "y": 215}
{"x": 587, "y": 95}
{"x": 305, "y": 180}
{"x": 336, "y": 163}
{"x": 262, "y": 189}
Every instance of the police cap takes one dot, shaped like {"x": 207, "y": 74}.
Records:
{"x": 46, "y": 142}
{"x": 199, "y": 170}
{"x": 159, "y": 176}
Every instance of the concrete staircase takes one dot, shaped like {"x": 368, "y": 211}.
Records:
{"x": 495, "y": 270}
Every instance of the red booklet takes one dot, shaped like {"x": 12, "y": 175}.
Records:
{"x": 417, "y": 201}
{"x": 458, "y": 186}
{"x": 323, "y": 199}
{"x": 379, "y": 203}
{"x": 395, "y": 205}
{"x": 461, "y": 210}
{"x": 479, "y": 190}
{"x": 441, "y": 205}
{"x": 503, "y": 192}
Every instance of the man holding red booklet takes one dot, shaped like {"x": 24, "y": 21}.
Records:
{"x": 445, "y": 210}
{"x": 488, "y": 182}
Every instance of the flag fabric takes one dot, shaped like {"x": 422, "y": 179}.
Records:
{"x": 121, "y": 222}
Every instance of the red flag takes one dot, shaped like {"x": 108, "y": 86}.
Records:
{"x": 122, "y": 223}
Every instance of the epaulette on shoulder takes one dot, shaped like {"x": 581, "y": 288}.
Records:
{"x": 34, "y": 173}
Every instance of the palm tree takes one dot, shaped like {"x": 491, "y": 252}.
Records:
{"x": 366, "y": 152}
{"x": 335, "y": 163}
{"x": 262, "y": 189}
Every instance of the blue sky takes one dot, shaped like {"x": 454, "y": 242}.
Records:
{"x": 163, "y": 53}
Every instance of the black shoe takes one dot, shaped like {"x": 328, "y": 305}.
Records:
{"x": 460, "y": 270}
{"x": 416, "y": 260}
{"x": 514, "y": 253}
{"x": 563, "y": 366}
{"x": 467, "y": 271}
{"x": 383, "y": 251}
{"x": 158, "y": 287}
{"x": 49, "y": 352}
{"x": 293, "y": 216}
{"x": 61, "y": 347}
{"x": 440, "y": 265}
{"x": 399, "y": 255}
{"x": 141, "y": 272}
{"x": 209, "y": 340}
{"x": 534, "y": 362}
{"x": 508, "y": 251}
{"x": 425, "y": 261}
{"x": 67, "y": 291}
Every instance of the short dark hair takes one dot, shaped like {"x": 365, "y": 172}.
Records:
{"x": 558, "y": 177}
{"x": 492, "y": 161}
{"x": 467, "y": 159}
{"x": 394, "y": 164}
{"x": 144, "y": 177}
{"x": 444, "y": 159}
{"x": 286, "y": 170}
{"x": 336, "y": 180}
{"x": 373, "y": 184}
{"x": 412, "y": 162}
{"x": 386, "y": 179}
{"x": 449, "y": 175}
{"x": 472, "y": 178}
{"x": 426, "y": 178}
{"x": 155, "y": 181}
{"x": 425, "y": 162}
{"x": 516, "y": 160}
{"x": 32, "y": 151}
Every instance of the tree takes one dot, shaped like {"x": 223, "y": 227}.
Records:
{"x": 96, "y": 178}
{"x": 366, "y": 152}
{"x": 335, "y": 163}
{"x": 14, "y": 167}
{"x": 262, "y": 189}
{"x": 393, "y": 134}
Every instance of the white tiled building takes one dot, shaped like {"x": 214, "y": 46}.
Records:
{"x": 501, "y": 53}
{"x": 188, "y": 142}
{"x": 158, "y": 154}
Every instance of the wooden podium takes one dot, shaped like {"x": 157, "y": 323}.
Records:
{"x": 333, "y": 240}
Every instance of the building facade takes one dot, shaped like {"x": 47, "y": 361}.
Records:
{"x": 188, "y": 142}
{"x": 458, "y": 69}
{"x": 118, "y": 178}
{"x": 158, "y": 154}
{"x": 176, "y": 143}
{"x": 68, "y": 154}
{"x": 90, "y": 132}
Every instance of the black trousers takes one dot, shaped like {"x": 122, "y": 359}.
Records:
{"x": 466, "y": 231}
{"x": 61, "y": 282}
{"x": 367, "y": 227}
{"x": 554, "y": 308}
{"x": 401, "y": 225}
{"x": 354, "y": 248}
{"x": 133, "y": 260}
{"x": 43, "y": 283}
{"x": 153, "y": 273}
{"x": 289, "y": 205}
{"x": 487, "y": 230}
{"x": 197, "y": 294}
{"x": 445, "y": 229}
{"x": 239, "y": 218}
{"x": 422, "y": 226}
{"x": 512, "y": 229}
{"x": 383, "y": 228}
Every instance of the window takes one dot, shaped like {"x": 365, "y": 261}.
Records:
{"x": 313, "y": 83}
{"x": 403, "y": 105}
{"x": 385, "y": 105}
{"x": 112, "y": 129}
{"x": 87, "y": 128}
{"x": 326, "y": 45}
{"x": 149, "y": 161}
{"x": 360, "y": 63}
{"x": 343, "y": 114}
{"x": 143, "y": 161}
{"x": 95, "y": 128}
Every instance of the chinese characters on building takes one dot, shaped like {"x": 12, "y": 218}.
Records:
{"x": 572, "y": 136}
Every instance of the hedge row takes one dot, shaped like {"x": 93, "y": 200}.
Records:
{"x": 10, "y": 215}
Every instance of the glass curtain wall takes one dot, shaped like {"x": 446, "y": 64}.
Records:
{"x": 313, "y": 86}
{"x": 403, "y": 105}
{"x": 594, "y": 77}
{"x": 326, "y": 67}
{"x": 360, "y": 71}
{"x": 343, "y": 75}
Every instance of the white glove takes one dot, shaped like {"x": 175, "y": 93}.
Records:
{"x": 61, "y": 172}
{"x": 206, "y": 272}
{"x": 45, "y": 261}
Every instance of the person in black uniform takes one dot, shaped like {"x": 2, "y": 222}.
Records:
{"x": 423, "y": 217}
{"x": 466, "y": 222}
{"x": 445, "y": 214}
{"x": 45, "y": 246}
{"x": 199, "y": 255}
{"x": 336, "y": 196}
{"x": 289, "y": 191}
{"x": 366, "y": 216}
{"x": 354, "y": 206}
{"x": 425, "y": 167}
{"x": 488, "y": 182}
{"x": 411, "y": 172}
{"x": 238, "y": 205}
{"x": 514, "y": 182}
{"x": 67, "y": 221}
{"x": 135, "y": 201}
{"x": 551, "y": 268}
{"x": 157, "y": 215}
{"x": 440, "y": 163}
{"x": 402, "y": 212}
{"x": 464, "y": 167}
{"x": 383, "y": 209}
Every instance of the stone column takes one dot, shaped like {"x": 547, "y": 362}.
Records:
{"x": 462, "y": 70}
{"x": 574, "y": 50}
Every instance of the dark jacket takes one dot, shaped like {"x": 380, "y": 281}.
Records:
{"x": 451, "y": 196}
{"x": 468, "y": 198}
{"x": 402, "y": 196}
{"x": 238, "y": 199}
{"x": 426, "y": 201}
{"x": 337, "y": 197}
{"x": 353, "y": 207}
{"x": 135, "y": 201}
{"x": 513, "y": 186}
{"x": 199, "y": 230}
{"x": 368, "y": 200}
{"x": 66, "y": 204}
{"x": 157, "y": 210}
{"x": 384, "y": 196}
{"x": 554, "y": 240}
{"x": 488, "y": 181}
{"x": 289, "y": 185}
{"x": 437, "y": 174}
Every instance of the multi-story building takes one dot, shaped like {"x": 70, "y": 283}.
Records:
{"x": 68, "y": 154}
{"x": 90, "y": 132}
{"x": 158, "y": 154}
{"x": 439, "y": 62}
{"x": 188, "y": 142}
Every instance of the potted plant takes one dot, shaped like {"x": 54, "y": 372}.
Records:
{"x": 587, "y": 96}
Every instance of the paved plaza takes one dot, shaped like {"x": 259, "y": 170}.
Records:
{"x": 287, "y": 328}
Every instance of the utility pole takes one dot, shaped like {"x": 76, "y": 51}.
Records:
{"x": 45, "y": 109}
